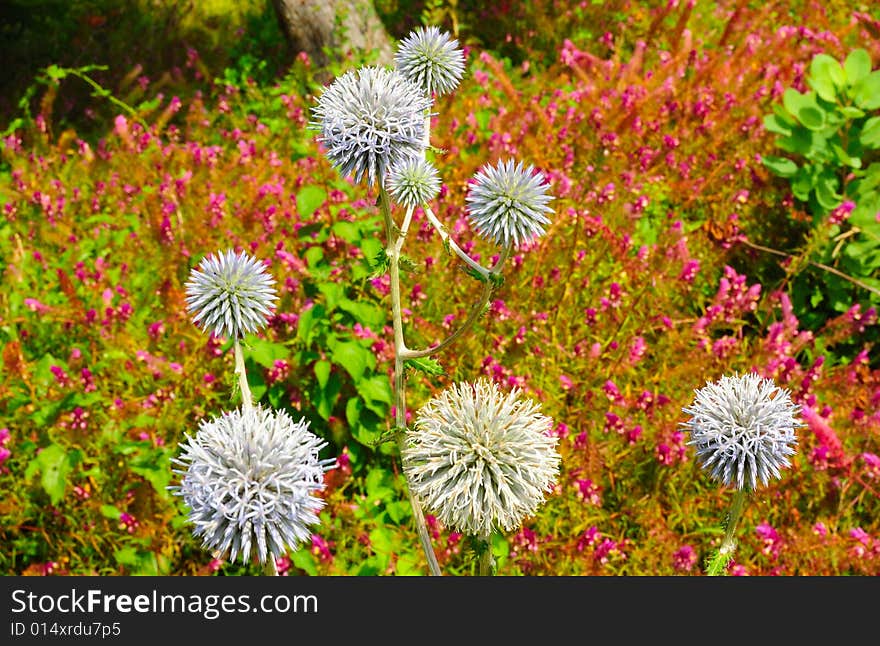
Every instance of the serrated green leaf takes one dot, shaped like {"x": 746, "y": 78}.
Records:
{"x": 425, "y": 365}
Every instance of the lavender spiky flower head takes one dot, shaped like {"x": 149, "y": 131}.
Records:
{"x": 506, "y": 203}
{"x": 231, "y": 293}
{"x": 431, "y": 59}
{"x": 370, "y": 119}
{"x": 248, "y": 477}
{"x": 743, "y": 428}
{"x": 481, "y": 459}
{"x": 413, "y": 181}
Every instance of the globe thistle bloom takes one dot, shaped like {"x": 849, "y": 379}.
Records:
{"x": 506, "y": 203}
{"x": 431, "y": 59}
{"x": 480, "y": 459}
{"x": 370, "y": 119}
{"x": 743, "y": 428}
{"x": 231, "y": 293}
{"x": 248, "y": 477}
{"x": 413, "y": 181}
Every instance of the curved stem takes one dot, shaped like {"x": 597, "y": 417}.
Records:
{"x": 723, "y": 556}
{"x": 445, "y": 237}
{"x": 395, "y": 239}
{"x": 476, "y": 311}
{"x": 247, "y": 400}
{"x": 818, "y": 265}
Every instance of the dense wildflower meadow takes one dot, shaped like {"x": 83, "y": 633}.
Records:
{"x": 715, "y": 183}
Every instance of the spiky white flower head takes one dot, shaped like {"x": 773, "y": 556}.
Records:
{"x": 481, "y": 459}
{"x": 413, "y": 181}
{"x": 231, "y": 293}
{"x": 370, "y": 119}
{"x": 431, "y": 58}
{"x": 248, "y": 478}
{"x": 743, "y": 428}
{"x": 506, "y": 203}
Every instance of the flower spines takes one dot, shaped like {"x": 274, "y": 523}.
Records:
{"x": 743, "y": 429}
{"x": 431, "y": 59}
{"x": 248, "y": 477}
{"x": 413, "y": 181}
{"x": 232, "y": 294}
{"x": 369, "y": 119}
{"x": 507, "y": 203}
{"x": 481, "y": 459}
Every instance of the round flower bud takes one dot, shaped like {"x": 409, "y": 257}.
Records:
{"x": 231, "y": 293}
{"x": 413, "y": 182}
{"x": 431, "y": 59}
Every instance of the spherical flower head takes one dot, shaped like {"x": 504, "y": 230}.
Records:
{"x": 413, "y": 181}
{"x": 370, "y": 119}
{"x": 431, "y": 59}
{"x": 507, "y": 203}
{"x": 248, "y": 478}
{"x": 232, "y": 294}
{"x": 480, "y": 459}
{"x": 743, "y": 428}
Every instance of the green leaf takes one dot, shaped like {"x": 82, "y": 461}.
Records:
{"x": 866, "y": 93}
{"x": 54, "y": 466}
{"x": 805, "y": 108}
{"x": 305, "y": 560}
{"x": 313, "y": 256}
{"x": 851, "y": 112}
{"x": 826, "y": 77}
{"x": 869, "y": 137}
{"x": 376, "y": 393}
{"x": 857, "y": 66}
{"x": 826, "y": 192}
{"x": 111, "y": 512}
{"x": 328, "y": 394}
{"x": 365, "y": 313}
{"x": 381, "y": 541}
{"x": 309, "y": 199}
{"x": 322, "y": 372}
{"x": 333, "y": 293}
{"x": 265, "y": 352}
{"x": 780, "y": 165}
{"x": 425, "y": 365}
{"x": 348, "y": 231}
{"x": 309, "y": 323}
{"x": 354, "y": 357}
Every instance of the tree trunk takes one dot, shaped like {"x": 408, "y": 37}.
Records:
{"x": 311, "y": 26}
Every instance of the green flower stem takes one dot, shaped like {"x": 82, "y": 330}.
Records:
{"x": 723, "y": 556}
{"x": 395, "y": 239}
{"x": 475, "y": 313}
{"x": 488, "y": 566}
{"x": 247, "y": 400}
{"x": 270, "y": 567}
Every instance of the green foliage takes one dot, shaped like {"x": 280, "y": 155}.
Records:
{"x": 832, "y": 136}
